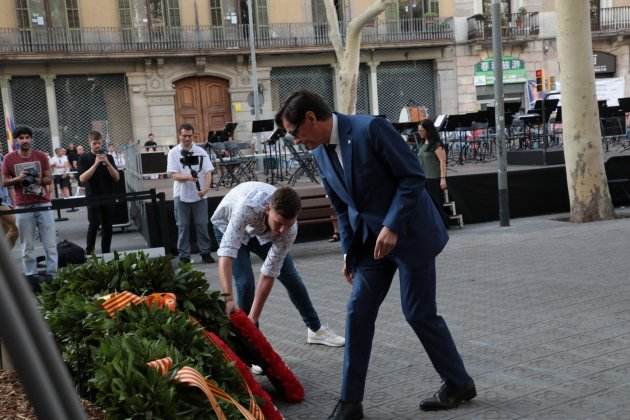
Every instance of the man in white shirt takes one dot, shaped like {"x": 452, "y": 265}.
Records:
{"x": 191, "y": 169}
{"x": 256, "y": 217}
{"x": 60, "y": 167}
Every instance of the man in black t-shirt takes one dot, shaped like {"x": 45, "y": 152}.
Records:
{"x": 98, "y": 173}
{"x": 150, "y": 144}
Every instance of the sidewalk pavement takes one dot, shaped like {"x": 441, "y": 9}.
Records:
{"x": 540, "y": 312}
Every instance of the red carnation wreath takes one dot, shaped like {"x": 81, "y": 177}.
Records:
{"x": 264, "y": 355}
{"x": 268, "y": 408}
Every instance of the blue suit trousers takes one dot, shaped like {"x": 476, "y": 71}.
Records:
{"x": 372, "y": 280}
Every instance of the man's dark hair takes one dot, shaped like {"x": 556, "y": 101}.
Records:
{"x": 22, "y": 130}
{"x": 95, "y": 135}
{"x": 186, "y": 126}
{"x": 286, "y": 202}
{"x": 299, "y": 103}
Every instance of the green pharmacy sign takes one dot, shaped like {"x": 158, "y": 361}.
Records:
{"x": 513, "y": 71}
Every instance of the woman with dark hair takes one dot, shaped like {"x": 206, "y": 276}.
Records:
{"x": 432, "y": 156}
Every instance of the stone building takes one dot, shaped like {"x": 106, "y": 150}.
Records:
{"x": 130, "y": 67}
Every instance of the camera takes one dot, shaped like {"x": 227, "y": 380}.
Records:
{"x": 188, "y": 158}
{"x": 30, "y": 178}
{"x": 99, "y": 152}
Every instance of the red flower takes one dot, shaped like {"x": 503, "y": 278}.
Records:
{"x": 268, "y": 408}
{"x": 274, "y": 367}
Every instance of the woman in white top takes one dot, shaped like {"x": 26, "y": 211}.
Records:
{"x": 119, "y": 157}
{"x": 60, "y": 167}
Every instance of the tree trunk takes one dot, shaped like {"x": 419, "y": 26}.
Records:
{"x": 348, "y": 55}
{"x": 583, "y": 154}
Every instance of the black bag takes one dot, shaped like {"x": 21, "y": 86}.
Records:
{"x": 69, "y": 253}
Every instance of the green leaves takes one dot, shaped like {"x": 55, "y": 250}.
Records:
{"x": 107, "y": 356}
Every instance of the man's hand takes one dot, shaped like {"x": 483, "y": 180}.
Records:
{"x": 230, "y": 306}
{"x": 443, "y": 184}
{"x": 101, "y": 159}
{"x": 349, "y": 275}
{"x": 385, "y": 242}
{"x": 202, "y": 193}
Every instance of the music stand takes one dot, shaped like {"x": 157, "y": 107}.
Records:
{"x": 229, "y": 128}
{"x": 406, "y": 128}
{"x": 460, "y": 124}
{"x": 624, "y": 104}
{"x": 261, "y": 126}
{"x": 272, "y": 163}
{"x": 512, "y": 107}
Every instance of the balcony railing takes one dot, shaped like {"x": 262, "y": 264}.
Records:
{"x": 611, "y": 19}
{"x": 209, "y": 38}
{"x": 513, "y": 26}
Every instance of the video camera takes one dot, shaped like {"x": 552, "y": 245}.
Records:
{"x": 188, "y": 158}
{"x": 32, "y": 177}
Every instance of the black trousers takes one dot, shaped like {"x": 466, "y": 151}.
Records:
{"x": 437, "y": 196}
{"x": 100, "y": 215}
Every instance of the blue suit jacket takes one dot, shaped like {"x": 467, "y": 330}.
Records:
{"x": 383, "y": 185}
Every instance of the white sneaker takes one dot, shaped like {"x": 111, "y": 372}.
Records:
{"x": 325, "y": 336}
{"x": 256, "y": 370}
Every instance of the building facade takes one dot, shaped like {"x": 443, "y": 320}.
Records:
{"x": 130, "y": 67}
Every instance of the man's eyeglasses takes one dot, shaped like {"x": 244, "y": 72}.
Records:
{"x": 294, "y": 133}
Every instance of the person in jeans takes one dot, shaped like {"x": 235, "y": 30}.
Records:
{"x": 60, "y": 166}
{"x": 7, "y": 221}
{"x": 28, "y": 171}
{"x": 98, "y": 173}
{"x": 191, "y": 169}
{"x": 255, "y": 217}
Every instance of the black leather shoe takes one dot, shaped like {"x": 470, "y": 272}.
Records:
{"x": 184, "y": 259}
{"x": 347, "y": 411}
{"x": 449, "y": 397}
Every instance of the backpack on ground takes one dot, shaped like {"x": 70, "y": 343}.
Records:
{"x": 69, "y": 253}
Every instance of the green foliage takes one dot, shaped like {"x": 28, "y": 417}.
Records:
{"x": 139, "y": 274}
{"x": 107, "y": 357}
{"x": 126, "y": 388}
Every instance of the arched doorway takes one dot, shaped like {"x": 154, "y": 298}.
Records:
{"x": 203, "y": 102}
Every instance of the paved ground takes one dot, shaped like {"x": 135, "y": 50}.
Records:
{"x": 540, "y": 312}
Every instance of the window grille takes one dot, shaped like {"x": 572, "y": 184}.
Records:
{"x": 98, "y": 102}
{"x": 28, "y": 95}
{"x": 402, "y": 81}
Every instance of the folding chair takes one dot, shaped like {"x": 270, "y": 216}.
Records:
{"x": 228, "y": 167}
{"x": 306, "y": 164}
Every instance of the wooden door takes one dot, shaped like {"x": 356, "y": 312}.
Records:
{"x": 203, "y": 102}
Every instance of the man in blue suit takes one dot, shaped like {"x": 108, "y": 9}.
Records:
{"x": 387, "y": 222}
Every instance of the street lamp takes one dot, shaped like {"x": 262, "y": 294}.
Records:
{"x": 252, "y": 59}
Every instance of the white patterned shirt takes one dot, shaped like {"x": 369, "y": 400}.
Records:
{"x": 241, "y": 215}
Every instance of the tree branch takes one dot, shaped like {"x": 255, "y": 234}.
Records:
{"x": 367, "y": 15}
{"x": 333, "y": 28}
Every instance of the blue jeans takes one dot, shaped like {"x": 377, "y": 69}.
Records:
{"x": 44, "y": 221}
{"x": 199, "y": 213}
{"x": 289, "y": 277}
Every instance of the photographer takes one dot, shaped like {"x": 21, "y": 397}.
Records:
{"x": 191, "y": 170}
{"x": 27, "y": 170}
{"x": 98, "y": 173}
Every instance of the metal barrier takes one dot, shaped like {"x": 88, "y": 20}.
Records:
{"x": 157, "y": 200}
